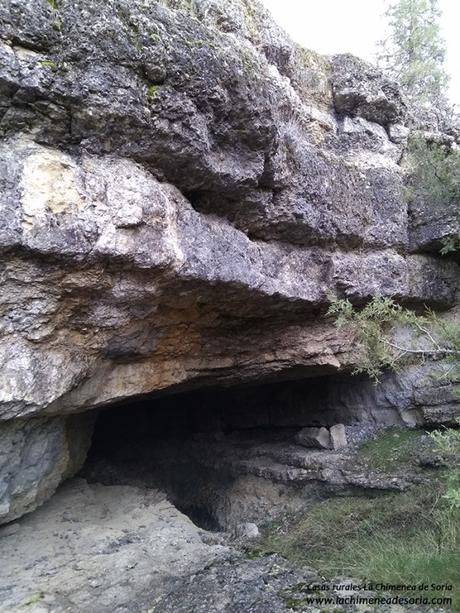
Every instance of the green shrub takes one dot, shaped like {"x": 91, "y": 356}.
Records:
{"x": 374, "y": 327}
{"x": 435, "y": 171}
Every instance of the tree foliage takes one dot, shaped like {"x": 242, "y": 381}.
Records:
{"x": 414, "y": 52}
{"x": 435, "y": 171}
{"x": 375, "y": 326}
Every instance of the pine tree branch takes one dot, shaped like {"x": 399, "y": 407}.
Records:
{"x": 423, "y": 352}
{"x": 427, "y": 333}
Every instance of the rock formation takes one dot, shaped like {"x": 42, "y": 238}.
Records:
{"x": 183, "y": 190}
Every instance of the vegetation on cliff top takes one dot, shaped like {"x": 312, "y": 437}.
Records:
{"x": 414, "y": 52}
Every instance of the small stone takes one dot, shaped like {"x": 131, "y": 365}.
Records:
{"x": 318, "y": 438}
{"x": 338, "y": 436}
{"x": 398, "y": 133}
{"x": 409, "y": 417}
{"x": 246, "y": 530}
{"x": 155, "y": 73}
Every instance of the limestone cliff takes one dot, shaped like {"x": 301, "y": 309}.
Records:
{"x": 183, "y": 189}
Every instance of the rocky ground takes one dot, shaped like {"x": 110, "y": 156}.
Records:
{"x": 120, "y": 549}
{"x": 99, "y": 548}
{"x": 128, "y": 549}
{"x": 266, "y": 585}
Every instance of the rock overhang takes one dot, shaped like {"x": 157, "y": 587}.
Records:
{"x": 183, "y": 190}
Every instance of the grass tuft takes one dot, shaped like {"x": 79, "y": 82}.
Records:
{"x": 391, "y": 450}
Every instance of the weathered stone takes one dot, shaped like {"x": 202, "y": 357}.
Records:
{"x": 101, "y": 548}
{"x": 35, "y": 456}
{"x": 246, "y": 530}
{"x": 360, "y": 89}
{"x": 433, "y": 224}
{"x": 398, "y": 133}
{"x": 338, "y": 436}
{"x": 314, "y": 437}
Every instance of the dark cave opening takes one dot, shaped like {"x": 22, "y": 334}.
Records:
{"x": 221, "y": 455}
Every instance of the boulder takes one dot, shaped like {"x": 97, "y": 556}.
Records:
{"x": 318, "y": 438}
{"x": 338, "y": 436}
{"x": 246, "y": 531}
{"x": 359, "y": 88}
{"x": 35, "y": 456}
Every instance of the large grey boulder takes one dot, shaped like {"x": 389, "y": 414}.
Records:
{"x": 35, "y": 456}
{"x": 338, "y": 436}
{"x": 360, "y": 89}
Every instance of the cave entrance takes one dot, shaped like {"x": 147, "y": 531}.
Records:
{"x": 223, "y": 456}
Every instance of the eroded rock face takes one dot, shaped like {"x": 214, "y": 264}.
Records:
{"x": 183, "y": 190}
{"x": 175, "y": 175}
{"x": 35, "y": 456}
